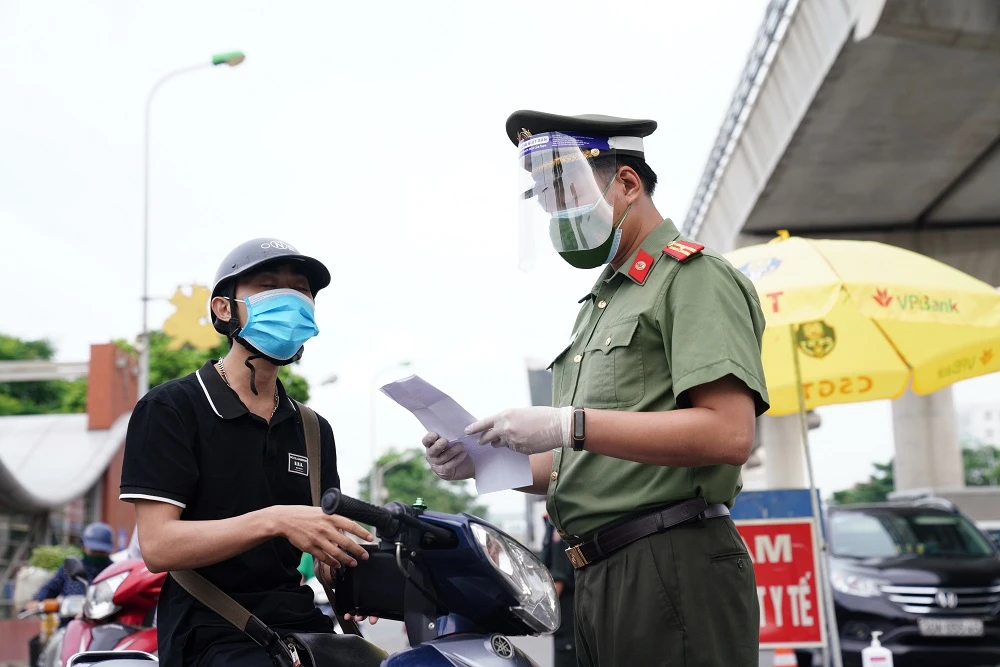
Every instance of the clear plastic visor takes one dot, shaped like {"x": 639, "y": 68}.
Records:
{"x": 564, "y": 187}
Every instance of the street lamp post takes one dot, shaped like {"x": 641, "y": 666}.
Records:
{"x": 232, "y": 59}
{"x": 375, "y": 481}
{"x": 380, "y": 471}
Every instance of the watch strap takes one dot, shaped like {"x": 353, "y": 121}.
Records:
{"x": 579, "y": 430}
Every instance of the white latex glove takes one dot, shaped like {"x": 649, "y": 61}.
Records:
{"x": 450, "y": 463}
{"x": 526, "y": 430}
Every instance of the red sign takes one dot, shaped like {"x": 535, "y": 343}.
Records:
{"x": 784, "y": 555}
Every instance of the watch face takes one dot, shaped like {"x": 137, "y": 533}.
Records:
{"x": 578, "y": 429}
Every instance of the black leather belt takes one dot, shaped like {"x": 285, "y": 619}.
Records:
{"x": 608, "y": 541}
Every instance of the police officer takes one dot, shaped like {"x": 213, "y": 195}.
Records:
{"x": 655, "y": 399}
{"x": 555, "y": 559}
{"x": 216, "y": 465}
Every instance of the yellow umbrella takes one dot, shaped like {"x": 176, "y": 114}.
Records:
{"x": 851, "y": 321}
{"x": 865, "y": 321}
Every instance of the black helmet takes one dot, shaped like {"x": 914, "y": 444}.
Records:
{"x": 251, "y": 256}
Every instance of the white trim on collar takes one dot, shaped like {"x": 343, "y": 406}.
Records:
{"x": 205, "y": 389}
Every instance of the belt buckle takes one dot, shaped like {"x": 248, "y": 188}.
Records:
{"x": 576, "y": 557}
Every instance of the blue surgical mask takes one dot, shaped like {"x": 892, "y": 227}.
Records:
{"x": 279, "y": 322}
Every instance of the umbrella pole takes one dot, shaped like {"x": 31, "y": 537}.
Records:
{"x": 832, "y": 649}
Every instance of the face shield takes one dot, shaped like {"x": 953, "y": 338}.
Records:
{"x": 566, "y": 197}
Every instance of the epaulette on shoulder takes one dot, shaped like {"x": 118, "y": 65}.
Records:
{"x": 682, "y": 251}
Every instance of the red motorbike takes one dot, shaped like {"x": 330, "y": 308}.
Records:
{"x": 118, "y": 611}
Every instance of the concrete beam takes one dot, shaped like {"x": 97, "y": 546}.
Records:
{"x": 36, "y": 371}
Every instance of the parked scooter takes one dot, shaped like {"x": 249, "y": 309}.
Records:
{"x": 118, "y": 610}
{"x": 460, "y": 586}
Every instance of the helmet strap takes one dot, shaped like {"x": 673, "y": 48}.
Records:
{"x": 253, "y": 371}
{"x": 234, "y": 314}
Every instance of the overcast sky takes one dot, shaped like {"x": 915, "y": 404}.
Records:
{"x": 370, "y": 135}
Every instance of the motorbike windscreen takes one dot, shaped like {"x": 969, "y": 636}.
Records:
{"x": 564, "y": 202}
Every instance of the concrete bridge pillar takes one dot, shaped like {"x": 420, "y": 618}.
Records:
{"x": 928, "y": 452}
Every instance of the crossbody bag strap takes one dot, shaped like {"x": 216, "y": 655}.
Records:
{"x": 310, "y": 428}
{"x": 212, "y": 597}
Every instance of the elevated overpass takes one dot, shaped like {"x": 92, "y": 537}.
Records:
{"x": 874, "y": 120}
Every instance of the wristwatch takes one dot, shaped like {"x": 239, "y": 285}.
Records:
{"x": 579, "y": 431}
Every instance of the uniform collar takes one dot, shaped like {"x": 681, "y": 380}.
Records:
{"x": 653, "y": 245}
{"x": 649, "y": 252}
{"x": 225, "y": 403}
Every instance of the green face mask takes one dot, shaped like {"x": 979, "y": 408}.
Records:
{"x": 94, "y": 559}
{"x": 592, "y": 257}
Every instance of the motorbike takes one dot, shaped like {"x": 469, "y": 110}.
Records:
{"x": 460, "y": 586}
{"x": 117, "y": 612}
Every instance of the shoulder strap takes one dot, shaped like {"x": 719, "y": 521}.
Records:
{"x": 310, "y": 426}
{"x": 211, "y": 596}
{"x": 682, "y": 250}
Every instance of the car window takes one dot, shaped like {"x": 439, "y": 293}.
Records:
{"x": 884, "y": 534}
{"x": 859, "y": 535}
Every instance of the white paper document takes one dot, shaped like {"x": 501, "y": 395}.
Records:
{"x": 497, "y": 468}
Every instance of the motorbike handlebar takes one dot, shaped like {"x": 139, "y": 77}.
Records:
{"x": 384, "y": 521}
{"x": 335, "y": 502}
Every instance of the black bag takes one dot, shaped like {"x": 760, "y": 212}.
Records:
{"x": 320, "y": 649}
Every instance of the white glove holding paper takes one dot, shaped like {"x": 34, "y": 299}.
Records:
{"x": 527, "y": 430}
{"x": 494, "y": 468}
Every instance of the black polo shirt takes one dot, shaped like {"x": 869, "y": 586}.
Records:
{"x": 192, "y": 443}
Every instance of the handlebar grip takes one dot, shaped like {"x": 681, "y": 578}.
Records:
{"x": 335, "y": 502}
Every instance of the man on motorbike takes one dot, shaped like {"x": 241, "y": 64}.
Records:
{"x": 216, "y": 465}
{"x": 98, "y": 543}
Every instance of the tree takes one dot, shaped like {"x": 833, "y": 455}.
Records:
{"x": 982, "y": 465}
{"x": 982, "y": 468}
{"x": 166, "y": 364}
{"x": 412, "y": 479}
{"x": 34, "y": 398}
{"x": 875, "y": 490}
{"x": 60, "y": 396}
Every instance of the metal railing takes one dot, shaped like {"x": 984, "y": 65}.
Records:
{"x": 769, "y": 37}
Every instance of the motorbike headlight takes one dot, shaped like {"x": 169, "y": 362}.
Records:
{"x": 853, "y": 584}
{"x": 527, "y": 577}
{"x": 99, "y": 602}
{"x": 71, "y": 605}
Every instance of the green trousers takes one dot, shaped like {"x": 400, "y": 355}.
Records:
{"x": 685, "y": 597}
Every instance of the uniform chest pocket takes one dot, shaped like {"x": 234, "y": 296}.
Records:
{"x": 559, "y": 375}
{"x": 612, "y": 374}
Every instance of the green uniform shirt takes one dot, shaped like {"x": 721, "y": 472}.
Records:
{"x": 644, "y": 339}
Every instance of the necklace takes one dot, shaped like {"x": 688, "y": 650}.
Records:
{"x": 225, "y": 378}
